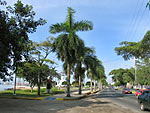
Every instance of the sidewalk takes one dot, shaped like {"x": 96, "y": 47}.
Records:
{"x": 74, "y": 96}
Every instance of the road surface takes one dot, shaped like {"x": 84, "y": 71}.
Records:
{"x": 124, "y": 100}
{"x": 91, "y": 104}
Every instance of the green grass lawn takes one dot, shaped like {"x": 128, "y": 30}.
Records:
{"x": 27, "y": 93}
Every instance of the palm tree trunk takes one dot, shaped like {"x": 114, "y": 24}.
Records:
{"x": 68, "y": 80}
{"x": 80, "y": 90}
{"x": 94, "y": 85}
{"x": 101, "y": 85}
{"x": 91, "y": 85}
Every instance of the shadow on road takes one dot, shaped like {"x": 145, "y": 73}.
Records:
{"x": 112, "y": 94}
{"x": 34, "y": 106}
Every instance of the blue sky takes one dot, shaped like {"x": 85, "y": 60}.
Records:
{"x": 114, "y": 21}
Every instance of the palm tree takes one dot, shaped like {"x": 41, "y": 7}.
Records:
{"x": 95, "y": 69}
{"x": 100, "y": 73}
{"x": 79, "y": 74}
{"x": 90, "y": 63}
{"x": 67, "y": 45}
{"x": 80, "y": 70}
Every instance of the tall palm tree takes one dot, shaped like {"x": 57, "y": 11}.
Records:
{"x": 95, "y": 69}
{"x": 67, "y": 45}
{"x": 90, "y": 63}
{"x": 80, "y": 70}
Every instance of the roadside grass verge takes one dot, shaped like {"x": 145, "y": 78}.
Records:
{"x": 27, "y": 93}
{"x": 120, "y": 89}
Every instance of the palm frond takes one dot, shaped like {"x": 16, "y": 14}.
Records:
{"x": 57, "y": 28}
{"x": 83, "y": 25}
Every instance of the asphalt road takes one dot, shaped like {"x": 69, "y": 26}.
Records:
{"x": 125, "y": 100}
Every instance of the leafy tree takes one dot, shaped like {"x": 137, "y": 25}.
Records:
{"x": 16, "y": 23}
{"x": 5, "y": 50}
{"x": 29, "y": 71}
{"x": 67, "y": 44}
{"x": 122, "y": 76}
{"x": 139, "y": 50}
{"x": 143, "y": 72}
{"x": 39, "y": 53}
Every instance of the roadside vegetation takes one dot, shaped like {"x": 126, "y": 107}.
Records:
{"x": 28, "y": 93}
{"x": 30, "y": 60}
{"x": 138, "y": 76}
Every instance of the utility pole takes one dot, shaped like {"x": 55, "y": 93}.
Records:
{"x": 135, "y": 82}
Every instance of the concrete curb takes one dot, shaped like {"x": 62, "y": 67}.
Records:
{"x": 52, "y": 98}
{"x": 72, "y": 99}
{"x": 24, "y": 98}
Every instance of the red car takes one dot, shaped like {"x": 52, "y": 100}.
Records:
{"x": 139, "y": 92}
{"x": 127, "y": 91}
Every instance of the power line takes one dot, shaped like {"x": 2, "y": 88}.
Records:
{"x": 146, "y": 26}
{"x": 136, "y": 20}
{"x": 139, "y": 24}
{"x": 132, "y": 19}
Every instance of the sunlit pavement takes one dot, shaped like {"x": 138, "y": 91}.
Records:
{"x": 93, "y": 104}
{"x": 125, "y": 100}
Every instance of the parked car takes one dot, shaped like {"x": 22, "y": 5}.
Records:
{"x": 127, "y": 91}
{"x": 139, "y": 92}
{"x": 144, "y": 100}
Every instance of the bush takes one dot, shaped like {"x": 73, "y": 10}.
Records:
{"x": 75, "y": 83}
{"x": 89, "y": 83}
{"x": 64, "y": 83}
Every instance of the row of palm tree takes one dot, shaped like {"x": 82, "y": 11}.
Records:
{"x": 71, "y": 50}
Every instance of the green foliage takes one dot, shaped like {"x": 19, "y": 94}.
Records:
{"x": 27, "y": 93}
{"x": 128, "y": 50}
{"x": 30, "y": 70}
{"x": 104, "y": 82}
{"x": 64, "y": 83}
{"x": 75, "y": 83}
{"x": 148, "y": 4}
{"x": 89, "y": 83}
{"x": 122, "y": 76}
{"x": 16, "y": 23}
{"x": 139, "y": 49}
{"x": 68, "y": 46}
{"x": 143, "y": 72}
{"x": 5, "y": 50}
